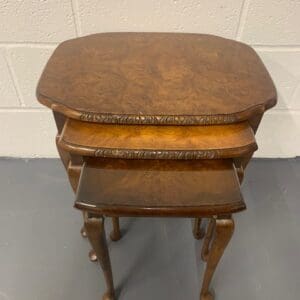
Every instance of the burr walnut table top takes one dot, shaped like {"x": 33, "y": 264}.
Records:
{"x": 159, "y": 142}
{"x": 159, "y": 187}
{"x": 156, "y": 78}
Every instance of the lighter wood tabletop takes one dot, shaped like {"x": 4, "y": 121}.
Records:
{"x": 160, "y": 142}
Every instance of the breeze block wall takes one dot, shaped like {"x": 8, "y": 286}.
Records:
{"x": 31, "y": 29}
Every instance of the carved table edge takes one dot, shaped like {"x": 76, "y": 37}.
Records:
{"x": 156, "y": 153}
{"x": 106, "y": 118}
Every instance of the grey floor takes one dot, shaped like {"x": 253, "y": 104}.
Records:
{"x": 43, "y": 257}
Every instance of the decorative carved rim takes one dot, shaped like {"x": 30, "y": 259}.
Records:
{"x": 152, "y": 119}
{"x": 156, "y": 153}
{"x": 155, "y": 119}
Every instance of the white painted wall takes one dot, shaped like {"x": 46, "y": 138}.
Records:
{"x": 31, "y": 29}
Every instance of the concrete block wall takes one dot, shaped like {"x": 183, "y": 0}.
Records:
{"x": 30, "y": 31}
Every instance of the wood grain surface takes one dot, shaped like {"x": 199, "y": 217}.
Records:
{"x": 156, "y": 78}
{"x": 160, "y": 142}
{"x": 159, "y": 187}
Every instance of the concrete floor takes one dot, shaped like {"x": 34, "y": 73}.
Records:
{"x": 43, "y": 257}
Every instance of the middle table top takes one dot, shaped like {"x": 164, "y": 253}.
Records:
{"x": 157, "y": 142}
{"x": 156, "y": 78}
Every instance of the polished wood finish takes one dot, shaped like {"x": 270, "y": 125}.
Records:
{"x": 156, "y": 78}
{"x": 96, "y": 235}
{"x": 115, "y": 187}
{"x": 157, "y": 142}
{"x": 120, "y": 101}
{"x": 224, "y": 228}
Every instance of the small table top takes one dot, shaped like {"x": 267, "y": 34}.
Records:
{"x": 157, "y": 142}
{"x": 159, "y": 187}
{"x": 156, "y": 78}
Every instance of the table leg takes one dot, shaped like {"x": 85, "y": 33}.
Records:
{"x": 96, "y": 234}
{"x": 224, "y": 228}
{"x": 92, "y": 253}
{"x": 115, "y": 236}
{"x": 198, "y": 232}
{"x": 207, "y": 239}
{"x": 116, "y": 233}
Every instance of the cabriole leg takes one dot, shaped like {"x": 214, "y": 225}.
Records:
{"x": 208, "y": 237}
{"x": 96, "y": 234}
{"x": 92, "y": 253}
{"x": 115, "y": 236}
{"x": 224, "y": 228}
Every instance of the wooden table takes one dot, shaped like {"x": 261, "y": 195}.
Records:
{"x": 157, "y": 124}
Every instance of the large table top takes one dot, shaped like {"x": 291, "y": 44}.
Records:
{"x": 156, "y": 78}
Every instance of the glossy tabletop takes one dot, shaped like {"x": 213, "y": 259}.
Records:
{"x": 157, "y": 142}
{"x": 156, "y": 78}
{"x": 159, "y": 187}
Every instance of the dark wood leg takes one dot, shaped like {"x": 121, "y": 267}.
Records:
{"x": 116, "y": 233}
{"x": 207, "y": 239}
{"x": 198, "y": 232}
{"x": 92, "y": 253}
{"x": 115, "y": 236}
{"x": 96, "y": 234}
{"x": 224, "y": 228}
